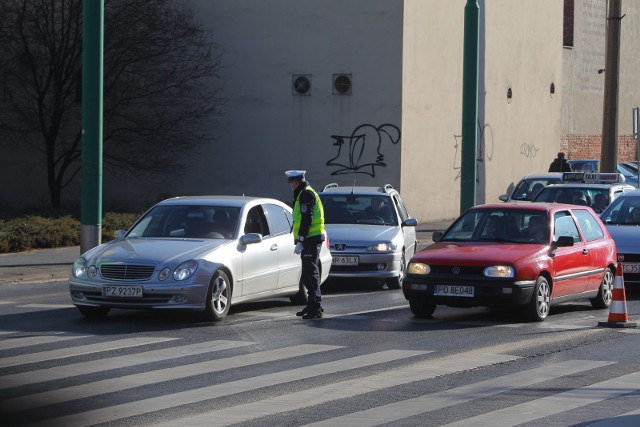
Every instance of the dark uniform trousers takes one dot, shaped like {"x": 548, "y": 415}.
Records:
{"x": 311, "y": 272}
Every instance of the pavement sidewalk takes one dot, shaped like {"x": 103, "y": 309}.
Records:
{"x": 45, "y": 265}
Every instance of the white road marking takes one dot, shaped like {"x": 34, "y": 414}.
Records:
{"x": 146, "y": 378}
{"x": 77, "y": 351}
{"x": 47, "y": 306}
{"x": 114, "y": 363}
{"x": 430, "y": 402}
{"x": 344, "y": 389}
{"x": 19, "y": 342}
{"x": 144, "y": 406}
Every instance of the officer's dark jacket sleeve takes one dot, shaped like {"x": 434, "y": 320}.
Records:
{"x": 307, "y": 202}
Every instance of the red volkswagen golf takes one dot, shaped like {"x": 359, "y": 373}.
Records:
{"x": 525, "y": 255}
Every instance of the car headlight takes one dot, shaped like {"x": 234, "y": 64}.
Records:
{"x": 185, "y": 270}
{"x": 382, "y": 247}
{"x": 164, "y": 273}
{"x": 92, "y": 271}
{"x": 503, "y": 271}
{"x": 79, "y": 268}
{"x": 418, "y": 268}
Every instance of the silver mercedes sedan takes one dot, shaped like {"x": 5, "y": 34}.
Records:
{"x": 199, "y": 253}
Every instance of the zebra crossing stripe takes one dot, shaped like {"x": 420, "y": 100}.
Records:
{"x": 146, "y": 378}
{"x": 144, "y": 406}
{"x": 431, "y": 402}
{"x": 289, "y": 402}
{"x": 77, "y": 351}
{"x": 17, "y": 342}
{"x": 107, "y": 364}
{"x": 47, "y": 306}
{"x": 554, "y": 404}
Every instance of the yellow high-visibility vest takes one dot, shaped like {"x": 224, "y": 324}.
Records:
{"x": 317, "y": 222}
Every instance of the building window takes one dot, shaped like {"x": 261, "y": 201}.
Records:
{"x": 567, "y": 38}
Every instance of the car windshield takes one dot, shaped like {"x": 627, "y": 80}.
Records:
{"x": 596, "y": 198}
{"x": 623, "y": 211}
{"x": 207, "y": 222}
{"x": 501, "y": 225}
{"x": 358, "y": 209}
{"x": 528, "y": 188}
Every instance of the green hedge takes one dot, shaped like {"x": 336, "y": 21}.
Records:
{"x": 38, "y": 232}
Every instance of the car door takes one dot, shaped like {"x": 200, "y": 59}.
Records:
{"x": 280, "y": 223}
{"x": 598, "y": 246}
{"x": 408, "y": 232}
{"x": 571, "y": 264}
{"x": 259, "y": 260}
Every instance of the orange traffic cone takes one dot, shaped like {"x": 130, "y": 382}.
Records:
{"x": 618, "y": 317}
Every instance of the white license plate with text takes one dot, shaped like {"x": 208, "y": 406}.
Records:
{"x": 345, "y": 260}
{"x": 453, "y": 291}
{"x": 631, "y": 267}
{"x": 122, "y": 291}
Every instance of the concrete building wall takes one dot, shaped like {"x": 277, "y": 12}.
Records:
{"x": 521, "y": 51}
{"x": 583, "y": 85}
{"x": 267, "y": 130}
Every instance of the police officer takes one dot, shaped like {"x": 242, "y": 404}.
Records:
{"x": 308, "y": 232}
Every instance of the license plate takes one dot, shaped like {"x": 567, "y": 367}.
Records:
{"x": 345, "y": 260}
{"x": 122, "y": 291}
{"x": 453, "y": 291}
{"x": 631, "y": 267}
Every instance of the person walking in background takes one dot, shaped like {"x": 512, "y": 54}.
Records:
{"x": 559, "y": 164}
{"x": 308, "y": 232}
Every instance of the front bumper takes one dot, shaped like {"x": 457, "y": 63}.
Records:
{"x": 488, "y": 292}
{"x": 154, "y": 296}
{"x": 368, "y": 266}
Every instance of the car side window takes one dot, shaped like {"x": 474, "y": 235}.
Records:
{"x": 589, "y": 225}
{"x": 256, "y": 222}
{"x": 564, "y": 225}
{"x": 277, "y": 219}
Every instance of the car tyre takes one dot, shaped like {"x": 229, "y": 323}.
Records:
{"x": 421, "y": 309}
{"x": 218, "y": 297}
{"x": 396, "y": 282}
{"x": 605, "y": 293}
{"x": 93, "y": 312}
{"x": 538, "y": 308}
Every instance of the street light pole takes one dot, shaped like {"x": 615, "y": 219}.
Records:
{"x": 92, "y": 87}
{"x": 609, "y": 153}
{"x": 468, "y": 167}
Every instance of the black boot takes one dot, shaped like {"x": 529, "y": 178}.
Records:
{"x": 303, "y": 311}
{"x": 313, "y": 315}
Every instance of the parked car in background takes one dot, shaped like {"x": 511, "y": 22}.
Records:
{"x": 194, "y": 253}
{"x": 530, "y": 185}
{"x": 372, "y": 234}
{"x": 521, "y": 255}
{"x": 593, "y": 166}
{"x": 622, "y": 219}
{"x": 596, "y": 190}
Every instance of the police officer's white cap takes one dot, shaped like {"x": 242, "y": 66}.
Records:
{"x": 295, "y": 175}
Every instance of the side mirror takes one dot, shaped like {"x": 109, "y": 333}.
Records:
{"x": 437, "y": 236}
{"x": 410, "y": 222}
{"x": 504, "y": 198}
{"x": 564, "y": 241}
{"x": 119, "y": 234}
{"x": 251, "y": 238}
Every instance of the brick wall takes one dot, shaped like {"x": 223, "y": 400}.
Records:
{"x": 588, "y": 147}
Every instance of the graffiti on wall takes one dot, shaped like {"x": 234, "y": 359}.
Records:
{"x": 362, "y": 151}
{"x": 529, "y": 150}
{"x": 483, "y": 150}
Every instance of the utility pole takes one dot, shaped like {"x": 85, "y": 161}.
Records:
{"x": 609, "y": 153}
{"x": 468, "y": 167}
{"x": 92, "y": 87}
